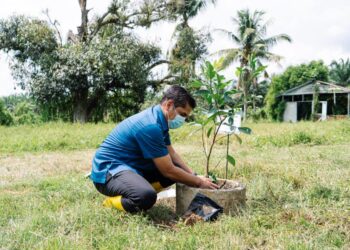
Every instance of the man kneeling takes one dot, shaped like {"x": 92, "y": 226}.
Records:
{"x": 137, "y": 160}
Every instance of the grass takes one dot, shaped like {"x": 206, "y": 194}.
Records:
{"x": 297, "y": 178}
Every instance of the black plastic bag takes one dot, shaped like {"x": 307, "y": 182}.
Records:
{"x": 204, "y": 207}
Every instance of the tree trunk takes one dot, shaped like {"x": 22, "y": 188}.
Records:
{"x": 254, "y": 96}
{"x": 80, "y": 108}
{"x": 245, "y": 104}
{"x": 82, "y": 29}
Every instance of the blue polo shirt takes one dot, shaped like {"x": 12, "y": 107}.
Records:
{"x": 132, "y": 145}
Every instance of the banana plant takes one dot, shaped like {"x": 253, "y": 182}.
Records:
{"x": 218, "y": 104}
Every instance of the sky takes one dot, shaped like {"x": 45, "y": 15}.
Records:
{"x": 319, "y": 28}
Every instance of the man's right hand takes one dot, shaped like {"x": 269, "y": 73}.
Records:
{"x": 206, "y": 183}
{"x": 167, "y": 168}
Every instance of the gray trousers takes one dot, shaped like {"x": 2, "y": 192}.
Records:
{"x": 136, "y": 190}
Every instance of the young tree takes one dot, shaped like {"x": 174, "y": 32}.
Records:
{"x": 102, "y": 60}
{"x": 248, "y": 77}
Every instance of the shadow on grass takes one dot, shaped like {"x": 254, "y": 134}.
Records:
{"x": 163, "y": 214}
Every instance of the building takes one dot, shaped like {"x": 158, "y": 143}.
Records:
{"x": 334, "y": 101}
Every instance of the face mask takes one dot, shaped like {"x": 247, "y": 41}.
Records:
{"x": 177, "y": 122}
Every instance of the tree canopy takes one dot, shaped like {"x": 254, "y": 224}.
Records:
{"x": 340, "y": 72}
{"x": 99, "y": 64}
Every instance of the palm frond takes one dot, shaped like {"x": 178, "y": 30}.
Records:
{"x": 229, "y": 56}
{"x": 229, "y": 34}
{"x": 271, "y": 41}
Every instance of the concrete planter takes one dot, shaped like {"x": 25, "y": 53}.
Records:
{"x": 230, "y": 199}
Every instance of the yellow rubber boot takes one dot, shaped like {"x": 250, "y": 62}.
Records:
{"x": 115, "y": 202}
{"x": 157, "y": 186}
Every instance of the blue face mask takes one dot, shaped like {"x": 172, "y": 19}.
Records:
{"x": 177, "y": 122}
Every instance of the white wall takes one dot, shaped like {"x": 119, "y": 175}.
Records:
{"x": 290, "y": 113}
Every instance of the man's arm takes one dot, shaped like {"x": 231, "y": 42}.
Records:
{"x": 175, "y": 157}
{"x": 169, "y": 170}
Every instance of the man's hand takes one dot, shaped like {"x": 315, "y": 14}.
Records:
{"x": 167, "y": 168}
{"x": 207, "y": 183}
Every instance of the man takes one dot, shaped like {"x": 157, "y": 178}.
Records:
{"x": 137, "y": 160}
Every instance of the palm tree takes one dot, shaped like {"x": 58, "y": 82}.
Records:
{"x": 188, "y": 9}
{"x": 250, "y": 36}
{"x": 340, "y": 72}
{"x": 189, "y": 45}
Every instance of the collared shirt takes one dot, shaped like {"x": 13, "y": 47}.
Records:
{"x": 132, "y": 145}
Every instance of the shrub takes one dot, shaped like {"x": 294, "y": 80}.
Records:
{"x": 25, "y": 114}
{"x": 5, "y": 116}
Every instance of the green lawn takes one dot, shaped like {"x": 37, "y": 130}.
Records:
{"x": 297, "y": 177}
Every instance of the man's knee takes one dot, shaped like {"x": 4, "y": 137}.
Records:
{"x": 146, "y": 199}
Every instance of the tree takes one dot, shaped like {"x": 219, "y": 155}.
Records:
{"x": 219, "y": 108}
{"x": 250, "y": 36}
{"x": 293, "y": 76}
{"x": 340, "y": 72}
{"x": 190, "y": 45}
{"x": 103, "y": 60}
{"x": 248, "y": 77}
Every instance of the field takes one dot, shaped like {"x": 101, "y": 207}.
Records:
{"x": 297, "y": 177}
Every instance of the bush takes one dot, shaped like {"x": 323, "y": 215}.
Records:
{"x": 25, "y": 114}
{"x": 257, "y": 115}
{"x": 5, "y": 116}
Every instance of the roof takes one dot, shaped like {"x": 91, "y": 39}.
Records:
{"x": 308, "y": 88}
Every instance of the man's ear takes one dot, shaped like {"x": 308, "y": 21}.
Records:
{"x": 169, "y": 104}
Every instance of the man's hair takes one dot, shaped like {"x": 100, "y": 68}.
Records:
{"x": 180, "y": 96}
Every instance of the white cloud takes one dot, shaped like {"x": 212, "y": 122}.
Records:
{"x": 319, "y": 29}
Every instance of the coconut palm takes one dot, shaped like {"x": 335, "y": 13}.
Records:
{"x": 188, "y": 9}
{"x": 188, "y": 45}
{"x": 340, "y": 72}
{"x": 250, "y": 36}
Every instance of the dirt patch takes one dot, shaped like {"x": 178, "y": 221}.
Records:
{"x": 34, "y": 166}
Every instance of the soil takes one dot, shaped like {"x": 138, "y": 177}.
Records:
{"x": 223, "y": 184}
{"x": 192, "y": 219}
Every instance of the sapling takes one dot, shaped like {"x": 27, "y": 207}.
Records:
{"x": 218, "y": 101}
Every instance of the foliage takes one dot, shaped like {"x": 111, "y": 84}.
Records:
{"x": 187, "y": 9}
{"x": 250, "y": 36}
{"x": 5, "y": 117}
{"x": 24, "y": 113}
{"x": 190, "y": 45}
{"x": 253, "y": 46}
{"x": 340, "y": 72}
{"x": 247, "y": 78}
{"x": 218, "y": 109}
{"x": 189, "y": 48}
{"x": 104, "y": 61}
{"x": 293, "y": 76}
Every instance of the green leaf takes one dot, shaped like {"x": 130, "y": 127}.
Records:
{"x": 231, "y": 160}
{"x": 209, "y": 131}
{"x": 238, "y": 138}
{"x": 203, "y": 92}
{"x": 196, "y": 84}
{"x": 238, "y": 71}
{"x": 245, "y": 130}
{"x": 230, "y": 121}
{"x": 210, "y": 72}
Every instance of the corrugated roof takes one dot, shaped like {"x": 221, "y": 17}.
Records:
{"x": 308, "y": 88}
